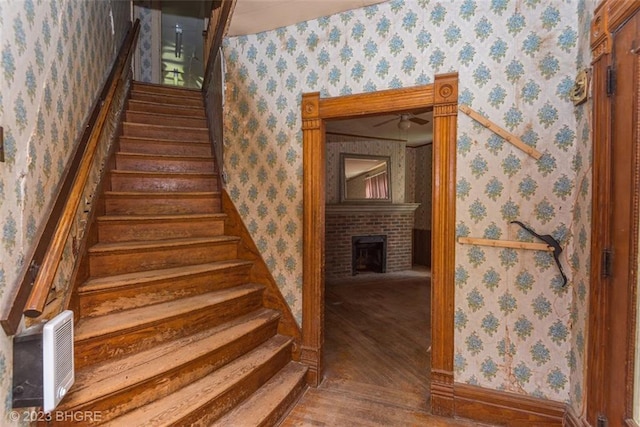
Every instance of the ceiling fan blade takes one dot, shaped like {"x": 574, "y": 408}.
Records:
{"x": 419, "y": 121}
{"x": 384, "y": 123}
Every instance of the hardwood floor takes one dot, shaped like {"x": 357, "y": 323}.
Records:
{"x": 377, "y": 355}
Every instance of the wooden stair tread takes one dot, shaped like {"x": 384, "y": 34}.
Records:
{"x": 99, "y": 248}
{"x": 167, "y": 116}
{"x": 164, "y": 141}
{"x": 161, "y": 87}
{"x": 180, "y": 157}
{"x": 262, "y": 404}
{"x": 165, "y": 127}
{"x": 155, "y": 195}
{"x": 151, "y": 218}
{"x": 122, "y": 321}
{"x": 187, "y": 110}
{"x": 167, "y": 99}
{"x": 141, "y": 277}
{"x": 115, "y": 375}
{"x": 155, "y": 174}
{"x": 170, "y": 409}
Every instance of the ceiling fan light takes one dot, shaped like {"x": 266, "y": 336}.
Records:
{"x": 404, "y": 124}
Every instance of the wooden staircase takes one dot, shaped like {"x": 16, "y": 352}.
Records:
{"x": 171, "y": 331}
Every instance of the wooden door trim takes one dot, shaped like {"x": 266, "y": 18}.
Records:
{"x": 442, "y": 95}
{"x": 609, "y": 16}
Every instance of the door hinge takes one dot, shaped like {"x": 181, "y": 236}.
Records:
{"x": 606, "y": 262}
{"x": 611, "y": 80}
{"x": 602, "y": 421}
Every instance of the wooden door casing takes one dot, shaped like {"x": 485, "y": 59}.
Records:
{"x": 616, "y": 205}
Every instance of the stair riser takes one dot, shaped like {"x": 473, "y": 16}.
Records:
{"x": 146, "y": 107}
{"x": 107, "y": 301}
{"x": 156, "y": 388}
{"x": 167, "y": 133}
{"x": 285, "y": 404}
{"x": 161, "y": 147}
{"x": 207, "y": 414}
{"x": 106, "y": 264}
{"x": 158, "y": 164}
{"x": 166, "y": 90}
{"x": 165, "y": 120}
{"x": 148, "y": 335}
{"x": 162, "y": 205}
{"x": 133, "y": 182}
{"x": 178, "y": 101}
{"x": 124, "y": 231}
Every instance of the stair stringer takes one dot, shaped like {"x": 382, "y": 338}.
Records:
{"x": 260, "y": 273}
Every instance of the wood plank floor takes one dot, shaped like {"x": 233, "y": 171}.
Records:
{"x": 377, "y": 342}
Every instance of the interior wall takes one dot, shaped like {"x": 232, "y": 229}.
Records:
{"x": 422, "y": 186}
{"x": 149, "y": 42}
{"x": 516, "y": 328}
{"x": 337, "y": 144}
{"x": 55, "y": 58}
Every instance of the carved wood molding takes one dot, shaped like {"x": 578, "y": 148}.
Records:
{"x": 600, "y": 37}
{"x": 499, "y": 407}
{"x": 443, "y": 244}
{"x": 619, "y": 11}
{"x": 442, "y": 96}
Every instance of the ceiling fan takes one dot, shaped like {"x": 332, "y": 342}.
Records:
{"x": 405, "y": 120}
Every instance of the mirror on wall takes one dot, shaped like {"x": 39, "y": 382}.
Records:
{"x": 365, "y": 178}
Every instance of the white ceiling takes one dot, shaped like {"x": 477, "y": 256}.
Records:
{"x": 255, "y": 16}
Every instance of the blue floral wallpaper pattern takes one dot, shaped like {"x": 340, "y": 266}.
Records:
{"x": 54, "y": 58}
{"x": 516, "y": 328}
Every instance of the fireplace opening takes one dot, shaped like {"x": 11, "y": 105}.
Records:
{"x": 369, "y": 254}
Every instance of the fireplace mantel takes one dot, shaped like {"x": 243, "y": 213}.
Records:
{"x": 356, "y": 208}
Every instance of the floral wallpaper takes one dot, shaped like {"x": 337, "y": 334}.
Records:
{"x": 516, "y": 328}
{"x": 54, "y": 57}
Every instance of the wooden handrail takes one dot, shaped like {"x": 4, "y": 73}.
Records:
{"x": 223, "y": 17}
{"x": 47, "y": 271}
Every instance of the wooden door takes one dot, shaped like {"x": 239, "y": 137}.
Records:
{"x": 622, "y": 267}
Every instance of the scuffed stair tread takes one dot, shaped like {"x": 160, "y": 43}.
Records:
{"x": 178, "y": 109}
{"x": 174, "y": 407}
{"x": 167, "y": 127}
{"x": 163, "y": 174}
{"x": 158, "y": 195}
{"x": 141, "y": 277}
{"x": 122, "y": 321}
{"x": 151, "y": 218}
{"x": 153, "y": 244}
{"x": 164, "y": 141}
{"x": 165, "y": 156}
{"x": 190, "y": 91}
{"x": 120, "y": 374}
{"x": 262, "y": 403}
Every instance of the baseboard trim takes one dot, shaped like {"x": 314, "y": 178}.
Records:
{"x": 571, "y": 419}
{"x": 499, "y": 407}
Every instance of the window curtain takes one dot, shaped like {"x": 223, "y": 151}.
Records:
{"x": 376, "y": 186}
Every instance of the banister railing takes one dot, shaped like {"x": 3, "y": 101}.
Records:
{"x": 31, "y": 296}
{"x": 213, "y": 79}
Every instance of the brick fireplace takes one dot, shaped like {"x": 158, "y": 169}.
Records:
{"x": 346, "y": 223}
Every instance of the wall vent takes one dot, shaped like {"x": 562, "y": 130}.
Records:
{"x": 43, "y": 363}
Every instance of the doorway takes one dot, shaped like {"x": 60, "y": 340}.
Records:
{"x": 182, "y": 42}
{"x": 377, "y": 304}
{"x": 442, "y": 95}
